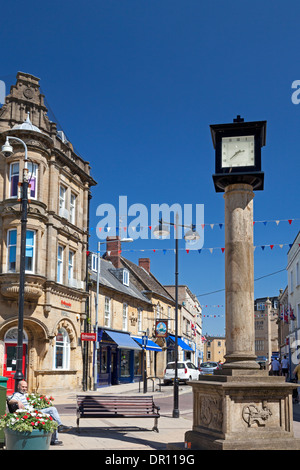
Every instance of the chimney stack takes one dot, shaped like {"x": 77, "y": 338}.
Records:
{"x": 145, "y": 263}
{"x": 113, "y": 251}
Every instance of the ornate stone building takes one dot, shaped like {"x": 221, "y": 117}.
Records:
{"x": 56, "y": 244}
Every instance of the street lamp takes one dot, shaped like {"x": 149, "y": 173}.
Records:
{"x": 124, "y": 240}
{"x": 7, "y": 151}
{"x": 162, "y": 231}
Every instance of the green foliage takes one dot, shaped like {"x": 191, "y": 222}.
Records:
{"x": 27, "y": 421}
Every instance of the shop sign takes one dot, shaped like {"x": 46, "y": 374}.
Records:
{"x": 88, "y": 337}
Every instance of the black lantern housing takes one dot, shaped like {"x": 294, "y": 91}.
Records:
{"x": 254, "y": 135}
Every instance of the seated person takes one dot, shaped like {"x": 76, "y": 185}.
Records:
{"x": 19, "y": 399}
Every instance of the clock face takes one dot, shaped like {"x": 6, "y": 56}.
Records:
{"x": 238, "y": 151}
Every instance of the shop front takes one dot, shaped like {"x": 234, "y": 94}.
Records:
{"x": 185, "y": 350}
{"x": 119, "y": 358}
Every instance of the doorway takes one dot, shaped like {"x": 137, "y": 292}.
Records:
{"x": 10, "y": 358}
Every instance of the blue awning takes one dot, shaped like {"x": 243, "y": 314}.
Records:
{"x": 181, "y": 343}
{"x": 123, "y": 340}
{"x": 151, "y": 346}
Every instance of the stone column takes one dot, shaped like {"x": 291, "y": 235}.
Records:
{"x": 239, "y": 272}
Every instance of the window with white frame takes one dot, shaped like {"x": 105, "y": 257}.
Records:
{"x": 62, "y": 201}
{"x": 71, "y": 265}
{"x": 107, "y": 312}
{"x": 60, "y": 255}
{"x": 73, "y": 208}
{"x": 140, "y": 319}
{"x": 30, "y": 251}
{"x": 125, "y": 317}
{"x": 61, "y": 359}
{"x": 33, "y": 175}
{"x": 157, "y": 311}
{"x": 13, "y": 179}
{"x": 169, "y": 318}
{"x": 125, "y": 277}
{"x": 11, "y": 250}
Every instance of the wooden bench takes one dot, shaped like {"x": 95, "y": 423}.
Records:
{"x": 115, "y": 406}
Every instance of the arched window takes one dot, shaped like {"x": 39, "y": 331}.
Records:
{"x": 61, "y": 358}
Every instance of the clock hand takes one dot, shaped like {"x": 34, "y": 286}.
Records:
{"x": 236, "y": 153}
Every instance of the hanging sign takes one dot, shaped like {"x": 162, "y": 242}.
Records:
{"x": 88, "y": 336}
{"x": 161, "y": 328}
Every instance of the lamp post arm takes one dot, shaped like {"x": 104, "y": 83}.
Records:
{"x": 24, "y": 145}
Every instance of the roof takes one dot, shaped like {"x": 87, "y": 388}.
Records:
{"x": 109, "y": 279}
{"x": 147, "y": 279}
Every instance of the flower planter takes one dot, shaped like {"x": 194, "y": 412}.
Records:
{"x": 35, "y": 440}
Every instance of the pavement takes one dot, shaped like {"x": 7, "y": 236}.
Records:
{"x": 121, "y": 433}
{"x": 126, "y": 435}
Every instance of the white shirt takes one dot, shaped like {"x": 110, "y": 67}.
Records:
{"x": 22, "y": 398}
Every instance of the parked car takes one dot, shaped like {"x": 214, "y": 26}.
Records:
{"x": 208, "y": 368}
{"x": 186, "y": 371}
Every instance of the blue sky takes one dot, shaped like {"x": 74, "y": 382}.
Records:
{"x": 135, "y": 85}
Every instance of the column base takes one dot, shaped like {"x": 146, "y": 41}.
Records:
{"x": 253, "y": 411}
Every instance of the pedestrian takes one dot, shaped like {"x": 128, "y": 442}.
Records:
{"x": 296, "y": 372}
{"x": 20, "y": 399}
{"x": 275, "y": 366}
{"x": 285, "y": 366}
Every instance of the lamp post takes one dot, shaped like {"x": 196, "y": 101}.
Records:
{"x": 191, "y": 235}
{"x": 7, "y": 151}
{"x": 124, "y": 240}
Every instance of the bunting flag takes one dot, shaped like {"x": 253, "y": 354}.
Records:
{"x": 189, "y": 251}
{"x": 220, "y": 224}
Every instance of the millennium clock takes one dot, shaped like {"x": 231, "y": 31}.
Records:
{"x": 238, "y": 153}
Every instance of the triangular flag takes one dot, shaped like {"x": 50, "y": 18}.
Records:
{"x": 212, "y": 226}
{"x": 290, "y": 221}
{"x": 277, "y": 221}
{"x": 154, "y": 251}
{"x": 253, "y": 222}
{"x": 164, "y": 251}
{"x": 199, "y": 251}
{"x": 265, "y": 222}
{"x": 211, "y": 250}
{"x": 203, "y": 225}
{"x": 187, "y": 251}
{"x": 150, "y": 227}
{"x": 271, "y": 246}
{"x": 263, "y": 247}
{"x": 281, "y": 246}
{"x": 220, "y": 225}
{"x": 223, "y": 249}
